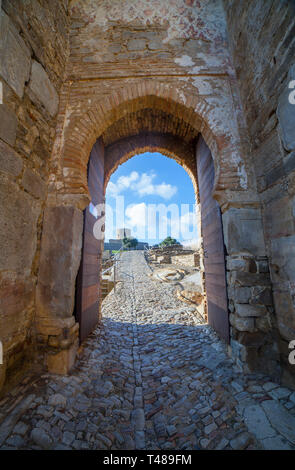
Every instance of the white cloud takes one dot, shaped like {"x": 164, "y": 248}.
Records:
{"x": 157, "y": 221}
{"x": 136, "y": 214}
{"x": 136, "y": 219}
{"x": 123, "y": 183}
{"x": 184, "y": 226}
{"x": 166, "y": 191}
{"x": 142, "y": 185}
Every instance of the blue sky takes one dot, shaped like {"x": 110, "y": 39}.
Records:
{"x": 154, "y": 197}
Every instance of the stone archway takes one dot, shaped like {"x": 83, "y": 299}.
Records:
{"x": 190, "y": 155}
{"x": 77, "y": 133}
{"x": 103, "y": 161}
{"x": 183, "y": 115}
{"x": 169, "y": 145}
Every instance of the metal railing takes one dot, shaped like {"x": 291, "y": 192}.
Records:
{"x": 114, "y": 267}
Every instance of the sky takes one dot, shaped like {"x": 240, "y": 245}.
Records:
{"x": 154, "y": 197}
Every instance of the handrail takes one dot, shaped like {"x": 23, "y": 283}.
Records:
{"x": 114, "y": 265}
{"x": 115, "y": 259}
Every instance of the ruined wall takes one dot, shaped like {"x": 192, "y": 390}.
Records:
{"x": 152, "y": 67}
{"x": 33, "y": 53}
{"x": 122, "y": 59}
{"x": 143, "y": 68}
{"x": 262, "y": 37}
{"x": 186, "y": 260}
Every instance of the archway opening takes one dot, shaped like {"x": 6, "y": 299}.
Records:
{"x": 154, "y": 197}
{"x": 104, "y": 160}
{"x": 152, "y": 206}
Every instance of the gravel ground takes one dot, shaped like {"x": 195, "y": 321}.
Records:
{"x": 152, "y": 376}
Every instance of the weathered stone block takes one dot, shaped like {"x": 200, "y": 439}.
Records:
{"x": 185, "y": 260}
{"x": 242, "y": 295}
{"x": 240, "y": 278}
{"x": 16, "y": 311}
{"x": 59, "y": 261}
{"x": 285, "y": 313}
{"x": 244, "y": 310}
{"x": 242, "y": 324}
{"x": 63, "y": 361}
{"x": 238, "y": 350}
{"x": 8, "y": 124}
{"x": 272, "y": 147}
{"x": 263, "y": 266}
{"x": 257, "y": 422}
{"x": 263, "y": 323}
{"x": 282, "y": 421}
{"x": 34, "y": 184}
{"x": 272, "y": 177}
{"x": 243, "y": 231}
{"x": 164, "y": 259}
{"x": 252, "y": 340}
{"x": 286, "y": 114}
{"x": 261, "y": 295}
{"x": 155, "y": 44}
{"x": 238, "y": 265}
{"x": 52, "y": 325}
{"x": 15, "y": 296}
{"x": 15, "y": 56}
{"x": 283, "y": 258}
{"x": 10, "y": 161}
{"x": 42, "y": 90}
{"x": 279, "y": 218}
{"x": 136, "y": 44}
{"x": 18, "y": 231}
{"x": 115, "y": 48}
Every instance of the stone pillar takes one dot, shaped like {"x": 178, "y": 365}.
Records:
{"x": 57, "y": 332}
{"x": 252, "y": 343}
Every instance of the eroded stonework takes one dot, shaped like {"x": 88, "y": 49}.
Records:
{"x": 146, "y": 76}
{"x": 32, "y": 34}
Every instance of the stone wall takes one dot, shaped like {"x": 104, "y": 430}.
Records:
{"x": 33, "y": 54}
{"x": 262, "y": 39}
{"x": 148, "y": 67}
{"x": 145, "y": 69}
{"x": 190, "y": 259}
{"x": 125, "y": 74}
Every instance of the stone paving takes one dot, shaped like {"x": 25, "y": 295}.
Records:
{"x": 152, "y": 376}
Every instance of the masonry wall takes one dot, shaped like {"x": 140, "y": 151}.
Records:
{"x": 262, "y": 40}
{"x": 122, "y": 59}
{"x": 34, "y": 50}
{"x": 121, "y": 73}
{"x": 153, "y": 68}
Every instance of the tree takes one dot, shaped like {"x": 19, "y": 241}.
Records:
{"x": 169, "y": 241}
{"x": 129, "y": 242}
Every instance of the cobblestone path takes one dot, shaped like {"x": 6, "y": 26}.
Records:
{"x": 150, "y": 377}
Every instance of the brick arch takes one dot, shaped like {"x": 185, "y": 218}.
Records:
{"x": 82, "y": 131}
{"x": 172, "y": 147}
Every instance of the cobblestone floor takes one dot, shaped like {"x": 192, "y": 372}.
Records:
{"x": 151, "y": 377}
